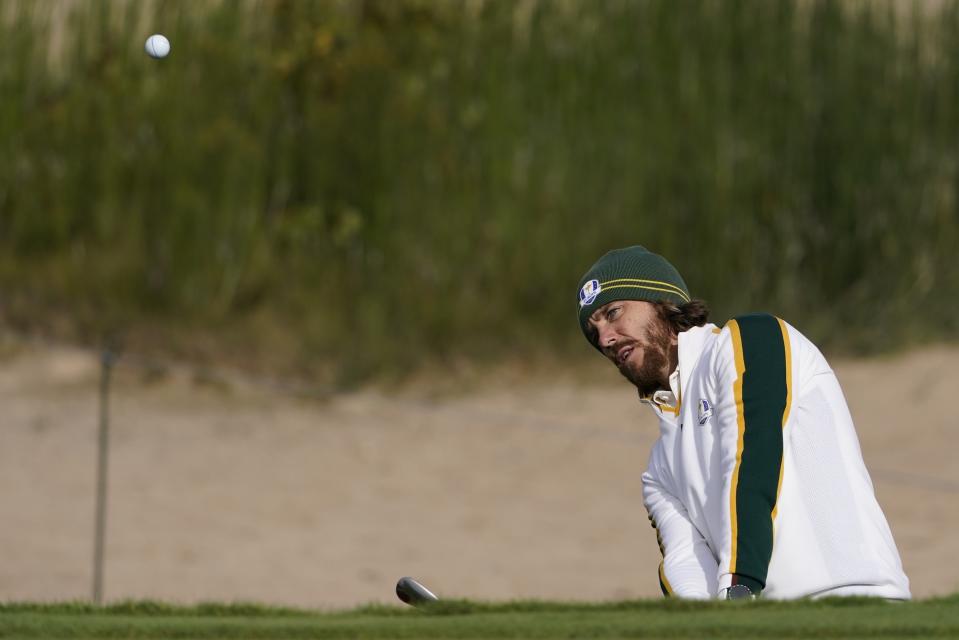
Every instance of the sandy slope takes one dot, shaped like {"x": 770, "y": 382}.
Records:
{"x": 525, "y": 489}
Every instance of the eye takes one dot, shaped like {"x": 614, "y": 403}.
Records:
{"x": 612, "y": 313}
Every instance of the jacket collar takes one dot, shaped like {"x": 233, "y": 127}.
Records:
{"x": 692, "y": 342}
{"x": 691, "y": 345}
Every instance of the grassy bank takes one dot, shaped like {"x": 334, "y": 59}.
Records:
{"x": 349, "y": 189}
{"x": 653, "y": 619}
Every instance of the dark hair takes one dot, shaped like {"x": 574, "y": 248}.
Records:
{"x": 694, "y": 313}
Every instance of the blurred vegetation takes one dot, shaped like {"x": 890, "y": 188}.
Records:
{"x": 353, "y": 188}
{"x": 521, "y": 619}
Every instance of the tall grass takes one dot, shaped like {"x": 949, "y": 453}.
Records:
{"x": 357, "y": 187}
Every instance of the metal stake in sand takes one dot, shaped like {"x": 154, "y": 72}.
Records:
{"x": 413, "y": 593}
{"x": 106, "y": 364}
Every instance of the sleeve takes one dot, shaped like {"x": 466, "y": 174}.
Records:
{"x": 688, "y": 568}
{"x": 753, "y": 377}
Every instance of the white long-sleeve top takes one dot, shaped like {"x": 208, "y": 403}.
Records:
{"x": 757, "y": 476}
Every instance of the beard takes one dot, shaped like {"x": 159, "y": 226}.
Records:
{"x": 653, "y": 374}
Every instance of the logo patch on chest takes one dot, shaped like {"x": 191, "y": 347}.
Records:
{"x": 705, "y": 411}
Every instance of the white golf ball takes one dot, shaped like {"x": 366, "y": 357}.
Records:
{"x": 157, "y": 46}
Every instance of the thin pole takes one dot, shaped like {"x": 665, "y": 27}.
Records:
{"x": 103, "y": 449}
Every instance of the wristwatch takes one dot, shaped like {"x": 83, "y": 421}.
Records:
{"x": 739, "y": 592}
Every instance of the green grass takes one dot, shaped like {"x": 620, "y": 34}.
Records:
{"x": 837, "y": 618}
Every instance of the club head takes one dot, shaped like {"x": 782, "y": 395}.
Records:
{"x": 413, "y": 593}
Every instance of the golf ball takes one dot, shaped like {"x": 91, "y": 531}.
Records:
{"x": 157, "y": 46}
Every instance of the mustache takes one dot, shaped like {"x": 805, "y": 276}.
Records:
{"x": 611, "y": 351}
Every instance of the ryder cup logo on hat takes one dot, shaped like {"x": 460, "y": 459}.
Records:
{"x": 589, "y": 292}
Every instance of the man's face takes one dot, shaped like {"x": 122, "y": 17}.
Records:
{"x": 635, "y": 338}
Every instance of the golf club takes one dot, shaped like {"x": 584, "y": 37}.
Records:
{"x": 413, "y": 593}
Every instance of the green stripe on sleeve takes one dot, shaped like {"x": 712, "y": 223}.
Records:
{"x": 764, "y": 394}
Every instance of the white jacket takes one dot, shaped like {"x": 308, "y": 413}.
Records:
{"x": 757, "y": 476}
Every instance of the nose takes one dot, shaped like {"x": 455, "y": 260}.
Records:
{"x": 606, "y": 337}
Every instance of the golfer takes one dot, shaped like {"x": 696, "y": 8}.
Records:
{"x": 756, "y": 485}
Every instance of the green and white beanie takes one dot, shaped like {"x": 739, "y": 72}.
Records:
{"x": 633, "y": 273}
